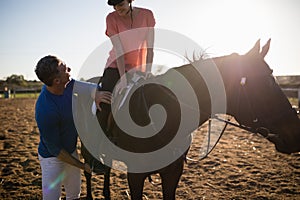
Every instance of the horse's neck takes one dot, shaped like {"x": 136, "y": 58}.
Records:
{"x": 228, "y": 71}
{"x": 231, "y": 79}
{"x": 197, "y": 82}
{"x": 195, "y": 73}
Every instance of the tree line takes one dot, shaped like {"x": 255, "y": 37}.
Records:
{"x": 18, "y": 82}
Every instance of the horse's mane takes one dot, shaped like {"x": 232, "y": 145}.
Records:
{"x": 197, "y": 56}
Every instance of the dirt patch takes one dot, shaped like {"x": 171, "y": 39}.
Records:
{"x": 242, "y": 166}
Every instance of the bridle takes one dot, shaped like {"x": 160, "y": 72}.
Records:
{"x": 242, "y": 94}
{"x": 260, "y": 128}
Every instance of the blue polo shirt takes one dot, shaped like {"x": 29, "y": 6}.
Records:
{"x": 53, "y": 114}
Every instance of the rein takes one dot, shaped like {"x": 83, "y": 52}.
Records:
{"x": 235, "y": 125}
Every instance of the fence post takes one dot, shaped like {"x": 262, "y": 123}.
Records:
{"x": 298, "y": 98}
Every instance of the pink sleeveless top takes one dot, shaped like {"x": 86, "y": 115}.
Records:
{"x": 133, "y": 39}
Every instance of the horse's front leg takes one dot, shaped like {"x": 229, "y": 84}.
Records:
{"x": 136, "y": 185}
{"x": 88, "y": 178}
{"x": 170, "y": 177}
{"x": 106, "y": 190}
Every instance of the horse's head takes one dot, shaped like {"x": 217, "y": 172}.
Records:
{"x": 256, "y": 100}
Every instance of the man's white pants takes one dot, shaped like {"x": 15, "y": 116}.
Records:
{"x": 56, "y": 173}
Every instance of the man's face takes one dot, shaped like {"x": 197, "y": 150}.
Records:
{"x": 63, "y": 75}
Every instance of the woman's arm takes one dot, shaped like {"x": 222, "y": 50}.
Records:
{"x": 150, "y": 46}
{"x": 116, "y": 41}
{"x": 118, "y": 47}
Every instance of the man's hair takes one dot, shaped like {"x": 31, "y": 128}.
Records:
{"x": 46, "y": 69}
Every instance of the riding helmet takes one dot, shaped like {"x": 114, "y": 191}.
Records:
{"x": 114, "y": 2}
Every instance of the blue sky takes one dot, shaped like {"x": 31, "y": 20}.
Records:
{"x": 73, "y": 29}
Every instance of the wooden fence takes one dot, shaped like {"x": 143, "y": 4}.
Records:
{"x": 293, "y": 93}
{"x": 11, "y": 93}
{"x": 290, "y": 85}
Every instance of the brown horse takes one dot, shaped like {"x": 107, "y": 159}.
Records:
{"x": 251, "y": 96}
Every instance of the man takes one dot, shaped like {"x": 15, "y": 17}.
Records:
{"x": 58, "y": 135}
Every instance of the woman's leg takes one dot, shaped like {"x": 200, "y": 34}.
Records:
{"x": 108, "y": 82}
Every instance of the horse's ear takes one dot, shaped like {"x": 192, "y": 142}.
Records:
{"x": 265, "y": 48}
{"x": 256, "y": 49}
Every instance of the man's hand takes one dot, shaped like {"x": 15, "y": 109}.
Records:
{"x": 87, "y": 168}
{"x": 102, "y": 97}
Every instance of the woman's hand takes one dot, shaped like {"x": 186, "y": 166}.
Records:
{"x": 149, "y": 75}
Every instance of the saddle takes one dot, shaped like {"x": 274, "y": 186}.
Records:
{"x": 119, "y": 100}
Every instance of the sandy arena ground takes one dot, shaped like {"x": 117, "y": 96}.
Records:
{"x": 242, "y": 166}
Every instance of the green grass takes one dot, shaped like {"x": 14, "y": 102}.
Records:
{"x": 22, "y": 95}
